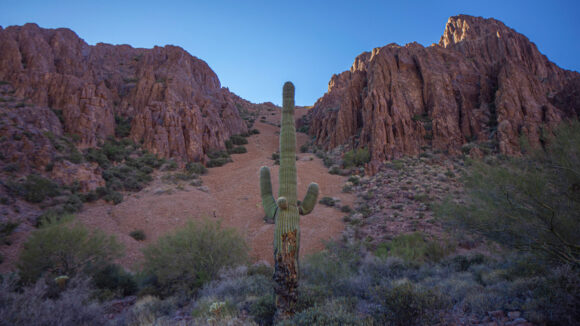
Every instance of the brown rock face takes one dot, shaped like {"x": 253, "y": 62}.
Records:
{"x": 483, "y": 82}
{"x": 174, "y": 100}
{"x": 25, "y": 134}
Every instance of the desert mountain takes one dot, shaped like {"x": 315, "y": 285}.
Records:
{"x": 172, "y": 100}
{"x": 484, "y": 84}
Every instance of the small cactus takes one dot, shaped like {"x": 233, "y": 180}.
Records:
{"x": 285, "y": 211}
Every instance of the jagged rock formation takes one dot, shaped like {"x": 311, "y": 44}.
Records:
{"x": 483, "y": 82}
{"x": 174, "y": 100}
{"x": 31, "y": 140}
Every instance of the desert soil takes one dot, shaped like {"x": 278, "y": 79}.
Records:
{"x": 231, "y": 195}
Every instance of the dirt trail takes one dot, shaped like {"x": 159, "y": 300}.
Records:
{"x": 232, "y": 197}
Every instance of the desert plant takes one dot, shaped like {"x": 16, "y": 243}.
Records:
{"x": 138, "y": 235}
{"x": 530, "y": 203}
{"x": 189, "y": 257}
{"x": 65, "y": 248}
{"x": 285, "y": 211}
{"x": 413, "y": 247}
{"x": 238, "y": 150}
{"x": 113, "y": 280}
{"x": 356, "y": 157}
{"x": 35, "y": 188}
{"x": 327, "y": 201}
{"x": 197, "y": 168}
{"x": 404, "y": 303}
{"x": 238, "y": 140}
{"x": 36, "y": 305}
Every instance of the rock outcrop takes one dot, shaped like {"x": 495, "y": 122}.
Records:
{"x": 482, "y": 83}
{"x": 174, "y": 101}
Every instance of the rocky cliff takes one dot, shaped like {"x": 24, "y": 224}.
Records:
{"x": 483, "y": 83}
{"x": 173, "y": 101}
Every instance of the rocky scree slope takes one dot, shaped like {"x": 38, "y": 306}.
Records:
{"x": 174, "y": 101}
{"x": 483, "y": 83}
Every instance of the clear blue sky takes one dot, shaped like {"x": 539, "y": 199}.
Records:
{"x": 255, "y": 46}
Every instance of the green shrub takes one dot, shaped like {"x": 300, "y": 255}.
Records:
{"x": 115, "y": 279}
{"x": 176, "y": 177}
{"x": 113, "y": 197}
{"x": 39, "y": 305}
{"x": 356, "y": 157}
{"x": 195, "y": 167}
{"x": 334, "y": 170}
{"x": 65, "y": 248}
{"x": 238, "y": 150}
{"x": 122, "y": 126}
{"x": 88, "y": 197}
{"x": 345, "y": 209}
{"x": 405, "y": 303}
{"x": 6, "y": 230}
{"x": 138, "y": 235}
{"x": 328, "y": 201}
{"x": 117, "y": 151}
{"x": 35, "y": 188}
{"x": 218, "y": 162}
{"x": 149, "y": 310}
{"x": 238, "y": 140}
{"x": 263, "y": 310}
{"x": 186, "y": 259}
{"x": 126, "y": 177}
{"x": 529, "y": 203}
{"x": 170, "y": 165}
{"x": 413, "y": 247}
{"x": 97, "y": 155}
{"x": 11, "y": 167}
{"x": 335, "y": 312}
{"x": 73, "y": 204}
{"x": 355, "y": 179}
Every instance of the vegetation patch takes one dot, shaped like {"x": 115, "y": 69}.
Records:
{"x": 192, "y": 256}
{"x": 126, "y": 167}
{"x": 65, "y": 248}
{"x": 358, "y": 157}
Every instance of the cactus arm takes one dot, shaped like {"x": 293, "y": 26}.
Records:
{"x": 268, "y": 202}
{"x": 309, "y": 200}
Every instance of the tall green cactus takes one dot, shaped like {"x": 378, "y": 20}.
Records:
{"x": 285, "y": 211}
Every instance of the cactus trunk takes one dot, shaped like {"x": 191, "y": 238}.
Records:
{"x": 285, "y": 211}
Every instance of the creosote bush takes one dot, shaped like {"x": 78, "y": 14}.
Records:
{"x": 193, "y": 255}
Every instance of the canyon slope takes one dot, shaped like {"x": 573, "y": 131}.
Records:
{"x": 483, "y": 84}
{"x": 173, "y": 101}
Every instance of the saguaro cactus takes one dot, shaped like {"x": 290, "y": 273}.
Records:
{"x": 285, "y": 211}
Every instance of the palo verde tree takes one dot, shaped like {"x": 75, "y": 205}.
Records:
{"x": 286, "y": 212}
{"x": 530, "y": 203}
